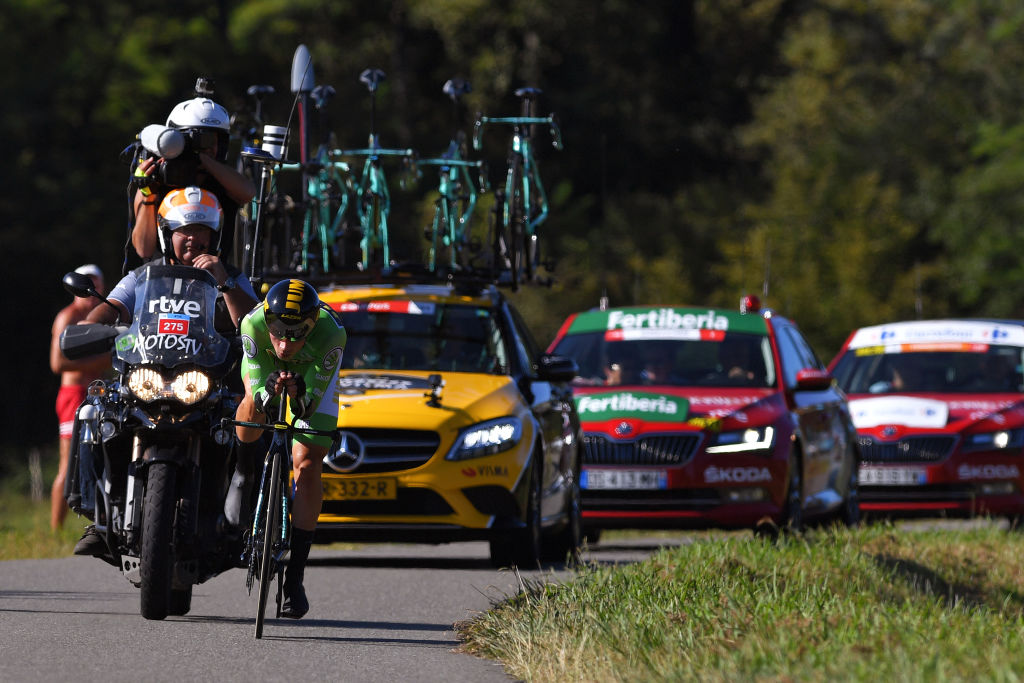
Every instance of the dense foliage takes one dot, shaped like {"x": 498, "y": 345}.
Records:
{"x": 853, "y": 162}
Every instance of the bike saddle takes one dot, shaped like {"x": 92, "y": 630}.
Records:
{"x": 259, "y": 91}
{"x": 528, "y": 92}
{"x": 371, "y": 77}
{"x": 321, "y": 94}
{"x": 456, "y": 88}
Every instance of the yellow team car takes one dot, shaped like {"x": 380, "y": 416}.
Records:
{"x": 455, "y": 426}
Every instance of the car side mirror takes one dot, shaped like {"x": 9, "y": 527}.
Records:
{"x": 551, "y": 368}
{"x": 810, "y": 379}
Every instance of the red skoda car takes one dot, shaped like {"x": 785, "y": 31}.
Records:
{"x": 939, "y": 409}
{"x": 697, "y": 417}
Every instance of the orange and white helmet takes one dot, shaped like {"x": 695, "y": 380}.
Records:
{"x": 188, "y": 206}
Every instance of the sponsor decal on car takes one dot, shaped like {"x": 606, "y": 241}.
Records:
{"x": 363, "y": 382}
{"x": 937, "y": 332}
{"x": 637, "y": 404}
{"x": 388, "y": 306}
{"x": 901, "y": 410}
{"x": 966, "y": 471}
{"x": 736, "y": 475}
{"x": 667, "y": 323}
{"x": 485, "y": 471}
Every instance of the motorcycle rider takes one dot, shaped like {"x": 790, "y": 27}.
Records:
{"x": 189, "y": 226}
{"x": 208, "y": 124}
{"x": 292, "y": 345}
{"x": 189, "y": 221}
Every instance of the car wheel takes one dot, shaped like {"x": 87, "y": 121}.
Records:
{"x": 521, "y": 547}
{"x": 564, "y": 544}
{"x": 849, "y": 514}
{"x": 792, "y": 520}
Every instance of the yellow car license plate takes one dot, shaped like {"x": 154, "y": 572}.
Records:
{"x": 360, "y": 489}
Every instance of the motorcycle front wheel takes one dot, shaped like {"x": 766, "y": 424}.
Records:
{"x": 156, "y": 564}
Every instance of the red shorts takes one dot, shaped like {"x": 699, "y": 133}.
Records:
{"x": 69, "y": 398}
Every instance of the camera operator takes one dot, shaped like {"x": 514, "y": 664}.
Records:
{"x": 204, "y": 128}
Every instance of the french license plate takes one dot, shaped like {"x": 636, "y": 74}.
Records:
{"x": 624, "y": 479}
{"x": 360, "y": 489}
{"x": 893, "y": 476}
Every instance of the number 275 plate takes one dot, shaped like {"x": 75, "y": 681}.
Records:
{"x": 360, "y": 489}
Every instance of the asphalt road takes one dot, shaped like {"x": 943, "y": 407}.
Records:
{"x": 380, "y": 613}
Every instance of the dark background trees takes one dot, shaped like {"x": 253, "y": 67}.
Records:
{"x": 851, "y": 162}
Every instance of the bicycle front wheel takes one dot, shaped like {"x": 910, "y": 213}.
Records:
{"x": 271, "y": 514}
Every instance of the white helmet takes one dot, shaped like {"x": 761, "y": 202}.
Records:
{"x": 200, "y": 112}
{"x": 188, "y": 206}
{"x": 197, "y": 119}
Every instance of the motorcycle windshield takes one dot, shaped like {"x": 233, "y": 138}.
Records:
{"x": 173, "y": 320}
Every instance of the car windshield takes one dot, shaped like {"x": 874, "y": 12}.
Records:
{"x": 735, "y": 359}
{"x": 977, "y": 368}
{"x": 416, "y": 335}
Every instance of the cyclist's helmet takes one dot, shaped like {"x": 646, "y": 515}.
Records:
{"x": 291, "y": 309}
{"x": 188, "y": 206}
{"x": 202, "y": 120}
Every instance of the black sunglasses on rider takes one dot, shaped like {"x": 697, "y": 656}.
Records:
{"x": 281, "y": 330}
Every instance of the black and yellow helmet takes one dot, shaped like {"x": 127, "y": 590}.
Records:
{"x": 291, "y": 309}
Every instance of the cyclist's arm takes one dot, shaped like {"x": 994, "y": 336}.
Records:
{"x": 320, "y": 376}
{"x": 257, "y": 361}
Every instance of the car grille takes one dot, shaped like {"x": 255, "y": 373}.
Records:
{"x": 394, "y": 450}
{"x": 910, "y": 449}
{"x": 676, "y": 449}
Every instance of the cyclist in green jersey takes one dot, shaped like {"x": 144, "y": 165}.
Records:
{"x": 292, "y": 343}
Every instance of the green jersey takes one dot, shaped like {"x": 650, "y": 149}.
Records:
{"x": 318, "y": 362}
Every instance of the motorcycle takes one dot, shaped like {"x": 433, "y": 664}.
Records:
{"x": 151, "y": 456}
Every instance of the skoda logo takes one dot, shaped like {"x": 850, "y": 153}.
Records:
{"x": 349, "y": 454}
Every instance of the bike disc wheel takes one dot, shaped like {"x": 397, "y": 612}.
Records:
{"x": 271, "y": 532}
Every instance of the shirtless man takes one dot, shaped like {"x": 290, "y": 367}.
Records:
{"x": 75, "y": 377}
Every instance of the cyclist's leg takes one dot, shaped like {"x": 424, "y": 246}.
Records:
{"x": 307, "y": 466}
{"x": 251, "y": 445}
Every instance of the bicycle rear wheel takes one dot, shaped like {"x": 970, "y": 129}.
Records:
{"x": 516, "y": 212}
{"x": 271, "y": 513}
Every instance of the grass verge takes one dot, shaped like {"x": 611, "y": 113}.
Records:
{"x": 870, "y": 604}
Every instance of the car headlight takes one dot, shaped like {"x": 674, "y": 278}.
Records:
{"x": 487, "y": 438}
{"x": 188, "y": 387}
{"x": 744, "y": 441}
{"x": 995, "y": 441}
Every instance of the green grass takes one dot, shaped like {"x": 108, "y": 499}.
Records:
{"x": 873, "y": 604}
{"x": 25, "y": 529}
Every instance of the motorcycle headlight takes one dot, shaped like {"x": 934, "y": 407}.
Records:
{"x": 744, "y": 441}
{"x": 487, "y": 438}
{"x": 188, "y": 387}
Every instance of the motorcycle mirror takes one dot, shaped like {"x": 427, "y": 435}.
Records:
{"x": 80, "y": 285}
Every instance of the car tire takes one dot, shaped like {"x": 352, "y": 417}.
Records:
{"x": 792, "y": 519}
{"x": 849, "y": 513}
{"x": 564, "y": 544}
{"x": 522, "y": 547}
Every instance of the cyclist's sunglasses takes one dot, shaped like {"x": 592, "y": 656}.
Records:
{"x": 281, "y": 330}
